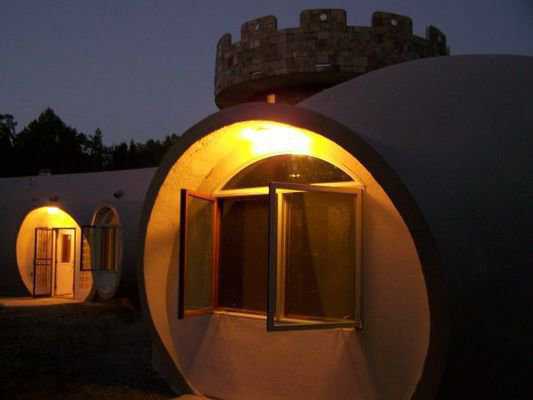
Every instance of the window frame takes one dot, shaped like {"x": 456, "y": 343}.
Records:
{"x": 352, "y": 187}
{"x": 275, "y": 297}
{"x": 66, "y": 254}
{"x": 185, "y": 195}
{"x": 234, "y": 194}
{"x": 116, "y": 249}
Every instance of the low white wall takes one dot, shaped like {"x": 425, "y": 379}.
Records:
{"x": 80, "y": 195}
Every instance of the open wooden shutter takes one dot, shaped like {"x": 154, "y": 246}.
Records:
{"x": 197, "y": 254}
{"x": 314, "y": 273}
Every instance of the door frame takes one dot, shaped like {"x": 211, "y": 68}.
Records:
{"x": 51, "y": 263}
{"x": 56, "y": 243}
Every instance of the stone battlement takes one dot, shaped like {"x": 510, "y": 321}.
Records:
{"x": 323, "y": 51}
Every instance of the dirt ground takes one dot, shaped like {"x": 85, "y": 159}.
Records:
{"x": 76, "y": 351}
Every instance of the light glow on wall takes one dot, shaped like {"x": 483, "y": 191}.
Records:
{"x": 52, "y": 210}
{"x": 271, "y": 138}
{"x": 42, "y": 217}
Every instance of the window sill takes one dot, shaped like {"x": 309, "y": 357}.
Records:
{"x": 240, "y": 314}
{"x": 262, "y": 317}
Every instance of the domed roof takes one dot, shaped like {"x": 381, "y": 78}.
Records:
{"x": 457, "y": 131}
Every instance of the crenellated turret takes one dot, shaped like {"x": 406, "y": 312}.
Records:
{"x": 291, "y": 64}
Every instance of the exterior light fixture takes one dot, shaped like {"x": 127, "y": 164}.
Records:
{"x": 267, "y": 139}
{"x": 52, "y": 210}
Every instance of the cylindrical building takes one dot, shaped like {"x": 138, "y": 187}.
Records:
{"x": 372, "y": 242}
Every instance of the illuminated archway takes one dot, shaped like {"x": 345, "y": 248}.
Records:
{"x": 209, "y": 155}
{"x": 48, "y": 254}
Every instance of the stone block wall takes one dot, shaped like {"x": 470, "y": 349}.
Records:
{"x": 323, "y": 51}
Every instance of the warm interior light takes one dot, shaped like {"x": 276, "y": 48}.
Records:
{"x": 267, "y": 139}
{"x": 52, "y": 210}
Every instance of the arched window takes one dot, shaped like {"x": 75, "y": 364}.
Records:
{"x": 101, "y": 242}
{"x": 105, "y": 216}
{"x": 294, "y": 219}
{"x": 287, "y": 168}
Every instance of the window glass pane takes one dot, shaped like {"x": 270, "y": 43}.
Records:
{"x": 105, "y": 216}
{"x": 66, "y": 240}
{"x": 112, "y": 266}
{"x": 199, "y": 253}
{"x": 107, "y": 248}
{"x": 319, "y": 255}
{"x": 104, "y": 249}
{"x": 287, "y": 168}
{"x": 99, "y": 248}
{"x": 243, "y": 253}
{"x": 90, "y": 253}
{"x": 87, "y": 245}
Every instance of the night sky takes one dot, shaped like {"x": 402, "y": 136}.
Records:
{"x": 144, "y": 69}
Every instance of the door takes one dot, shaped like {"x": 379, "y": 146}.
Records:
{"x": 43, "y": 262}
{"x": 64, "y": 271}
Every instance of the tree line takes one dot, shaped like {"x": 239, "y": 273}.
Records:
{"x": 48, "y": 145}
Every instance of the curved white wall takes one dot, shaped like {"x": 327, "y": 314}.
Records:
{"x": 458, "y": 131}
{"x": 233, "y": 357}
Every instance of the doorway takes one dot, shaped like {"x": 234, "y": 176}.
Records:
{"x": 54, "y": 262}
{"x": 64, "y": 262}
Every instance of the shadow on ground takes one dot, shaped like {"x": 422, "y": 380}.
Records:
{"x": 76, "y": 351}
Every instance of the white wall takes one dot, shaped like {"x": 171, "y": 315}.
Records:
{"x": 80, "y": 195}
{"x": 234, "y": 357}
{"x": 458, "y": 131}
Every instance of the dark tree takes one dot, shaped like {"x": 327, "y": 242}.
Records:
{"x": 119, "y": 156}
{"x": 96, "y": 152}
{"x": 7, "y": 137}
{"x": 139, "y": 155}
{"x": 47, "y": 143}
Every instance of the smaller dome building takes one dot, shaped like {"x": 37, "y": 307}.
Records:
{"x": 357, "y": 245}
{"x": 72, "y": 235}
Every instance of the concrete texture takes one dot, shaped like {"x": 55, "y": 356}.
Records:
{"x": 457, "y": 130}
{"x": 233, "y": 356}
{"x": 449, "y": 140}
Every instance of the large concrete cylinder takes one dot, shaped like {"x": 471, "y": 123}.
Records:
{"x": 441, "y": 150}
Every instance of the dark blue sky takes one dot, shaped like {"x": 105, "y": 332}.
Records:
{"x": 143, "y": 69}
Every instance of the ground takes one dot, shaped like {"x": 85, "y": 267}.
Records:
{"x": 76, "y": 351}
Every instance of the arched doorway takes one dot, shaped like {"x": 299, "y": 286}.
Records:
{"x": 48, "y": 254}
{"x": 207, "y": 192}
